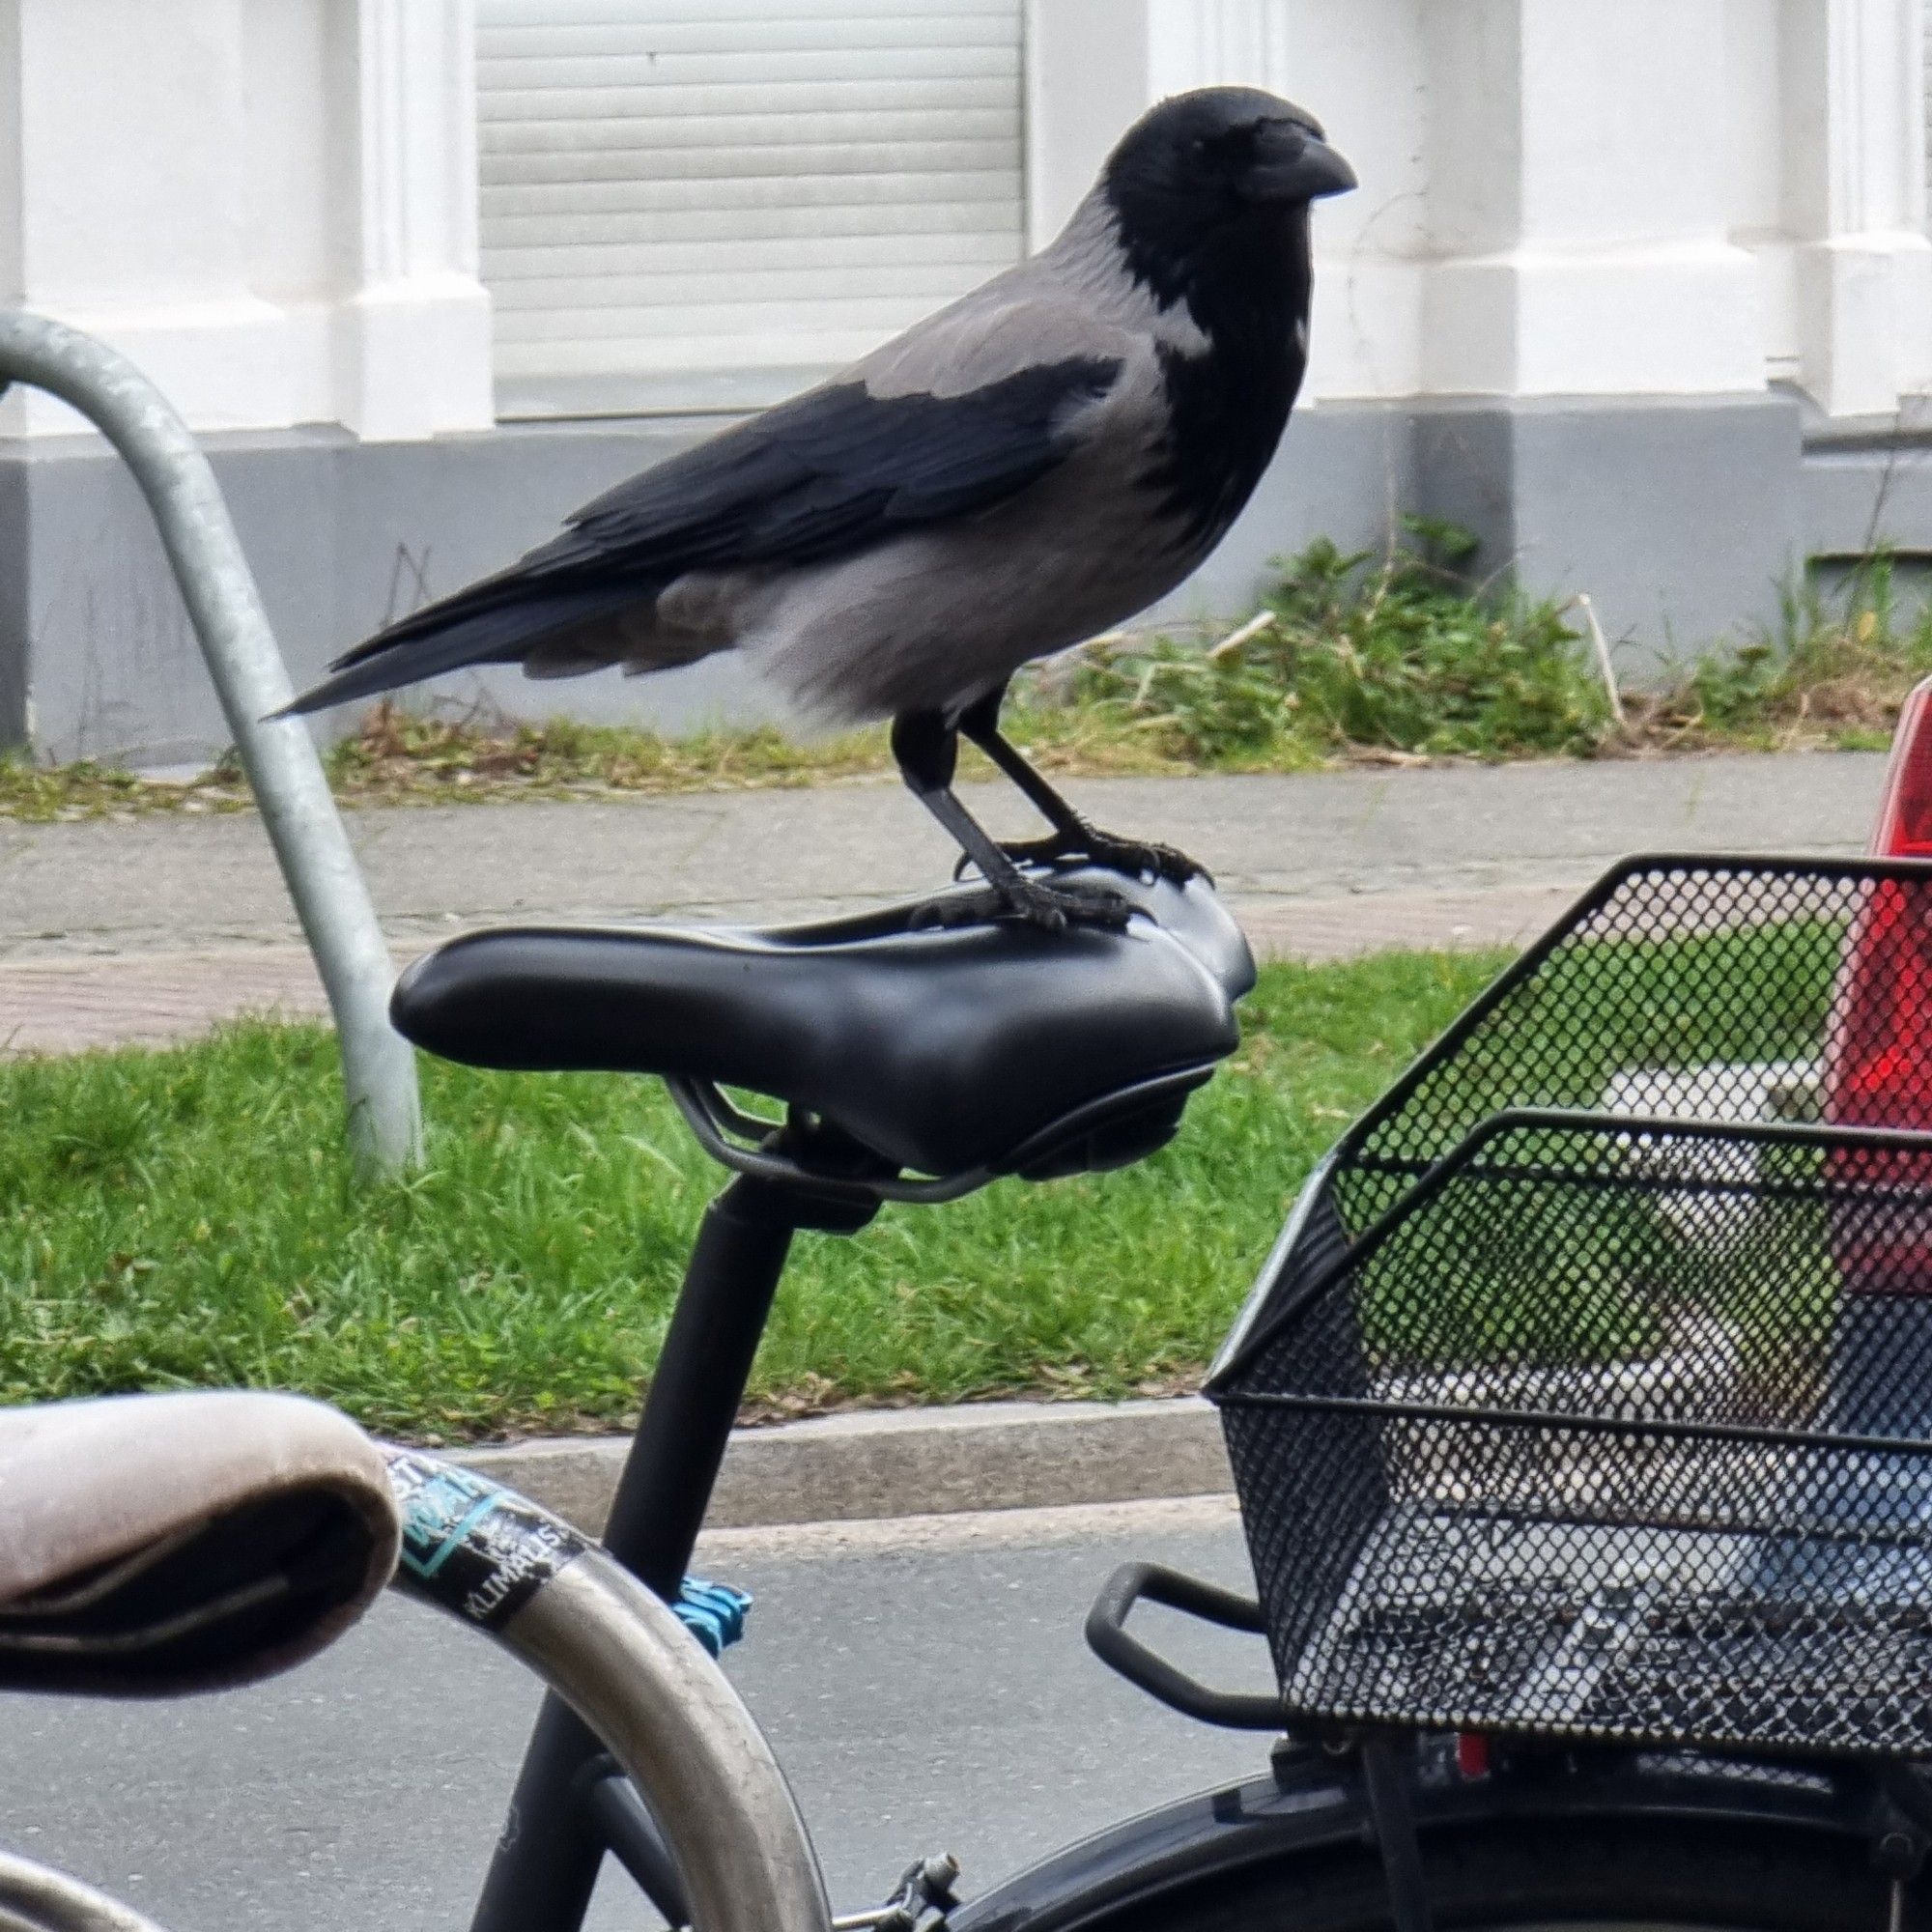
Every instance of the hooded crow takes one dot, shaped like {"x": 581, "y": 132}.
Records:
{"x": 1032, "y": 465}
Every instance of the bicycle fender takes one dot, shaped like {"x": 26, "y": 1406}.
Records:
{"x": 1314, "y": 1804}
{"x": 1161, "y": 1851}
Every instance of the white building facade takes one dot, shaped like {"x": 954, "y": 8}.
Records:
{"x": 1641, "y": 292}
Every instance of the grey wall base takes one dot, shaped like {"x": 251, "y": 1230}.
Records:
{"x": 1681, "y": 518}
{"x": 1680, "y": 521}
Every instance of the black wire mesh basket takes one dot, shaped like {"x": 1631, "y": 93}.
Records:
{"x": 1589, "y": 1390}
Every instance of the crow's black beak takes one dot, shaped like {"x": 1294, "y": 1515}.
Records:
{"x": 1296, "y": 165}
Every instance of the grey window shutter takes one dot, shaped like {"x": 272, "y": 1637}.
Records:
{"x": 707, "y": 203}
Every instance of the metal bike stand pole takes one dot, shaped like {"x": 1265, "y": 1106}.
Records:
{"x": 330, "y": 898}
{"x": 546, "y": 1867}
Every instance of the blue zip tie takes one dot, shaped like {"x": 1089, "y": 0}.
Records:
{"x": 714, "y": 1613}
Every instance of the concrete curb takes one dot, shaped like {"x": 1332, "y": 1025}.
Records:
{"x": 906, "y": 1462}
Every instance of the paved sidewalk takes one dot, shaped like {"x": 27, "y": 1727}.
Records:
{"x": 152, "y": 930}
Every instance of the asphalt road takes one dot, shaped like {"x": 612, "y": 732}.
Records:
{"x": 925, "y": 1683}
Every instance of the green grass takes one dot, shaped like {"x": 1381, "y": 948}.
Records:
{"x": 185, "y": 1217}
{"x": 1358, "y": 653}
{"x": 1354, "y": 657}
{"x": 41, "y": 794}
{"x": 1398, "y": 657}
{"x": 403, "y": 757}
{"x": 1549, "y": 1247}
{"x": 1834, "y": 671}
{"x": 1750, "y": 994}
{"x": 1555, "y": 1248}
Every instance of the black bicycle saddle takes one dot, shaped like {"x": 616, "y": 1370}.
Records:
{"x": 942, "y": 1048}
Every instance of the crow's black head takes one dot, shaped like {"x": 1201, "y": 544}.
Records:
{"x": 1204, "y": 182}
{"x": 1209, "y": 193}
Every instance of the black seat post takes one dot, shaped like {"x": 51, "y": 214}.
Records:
{"x": 693, "y": 1403}
{"x": 546, "y": 1864}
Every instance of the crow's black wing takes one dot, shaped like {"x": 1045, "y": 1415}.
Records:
{"x": 833, "y": 471}
{"x": 827, "y": 473}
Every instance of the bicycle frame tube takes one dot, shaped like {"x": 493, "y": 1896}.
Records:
{"x": 543, "y": 1874}
{"x": 620, "y": 1657}
{"x": 672, "y": 1720}
{"x": 36, "y": 1899}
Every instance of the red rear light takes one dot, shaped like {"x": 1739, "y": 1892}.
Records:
{"x": 1878, "y": 1049}
{"x": 1905, "y": 812}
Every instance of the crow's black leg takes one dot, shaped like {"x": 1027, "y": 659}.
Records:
{"x": 1073, "y": 837}
{"x": 926, "y": 751}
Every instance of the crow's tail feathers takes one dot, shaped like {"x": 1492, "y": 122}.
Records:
{"x": 464, "y": 630}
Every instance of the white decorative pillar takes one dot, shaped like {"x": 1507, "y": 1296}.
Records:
{"x": 129, "y": 123}
{"x": 1578, "y": 199}
{"x": 271, "y": 204}
{"x": 1086, "y": 80}
{"x": 1853, "y": 124}
{"x": 1216, "y": 43}
{"x": 1544, "y": 209}
{"x": 12, "y": 271}
{"x": 412, "y": 337}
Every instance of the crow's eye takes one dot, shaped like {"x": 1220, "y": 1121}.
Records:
{"x": 1229, "y": 150}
